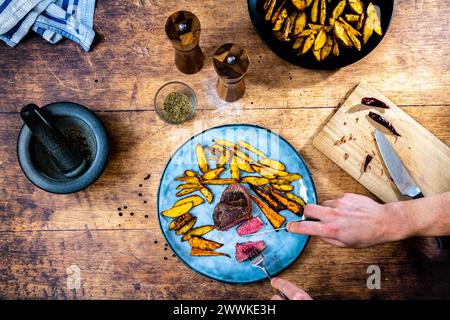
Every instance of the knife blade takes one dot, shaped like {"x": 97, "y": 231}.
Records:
{"x": 402, "y": 179}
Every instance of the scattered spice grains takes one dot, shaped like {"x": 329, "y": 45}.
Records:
{"x": 147, "y": 177}
{"x": 346, "y": 156}
{"x": 340, "y": 141}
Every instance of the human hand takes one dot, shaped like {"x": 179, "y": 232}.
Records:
{"x": 289, "y": 290}
{"x": 353, "y": 221}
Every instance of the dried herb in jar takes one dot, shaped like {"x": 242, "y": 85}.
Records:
{"x": 374, "y": 102}
{"x": 382, "y": 121}
{"x": 177, "y": 107}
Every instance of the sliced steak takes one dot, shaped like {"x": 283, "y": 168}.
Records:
{"x": 251, "y": 226}
{"x": 248, "y": 250}
{"x": 234, "y": 207}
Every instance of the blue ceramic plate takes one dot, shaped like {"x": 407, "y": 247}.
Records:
{"x": 283, "y": 248}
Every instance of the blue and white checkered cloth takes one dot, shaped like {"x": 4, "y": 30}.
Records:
{"x": 52, "y": 19}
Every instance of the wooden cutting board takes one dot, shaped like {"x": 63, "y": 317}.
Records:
{"x": 348, "y": 138}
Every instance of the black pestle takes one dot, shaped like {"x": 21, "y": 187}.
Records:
{"x": 63, "y": 153}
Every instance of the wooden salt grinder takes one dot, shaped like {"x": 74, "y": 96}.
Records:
{"x": 231, "y": 63}
{"x": 183, "y": 30}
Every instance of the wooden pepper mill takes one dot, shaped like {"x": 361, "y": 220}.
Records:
{"x": 231, "y": 63}
{"x": 183, "y": 30}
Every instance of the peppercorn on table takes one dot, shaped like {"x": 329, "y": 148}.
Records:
{"x": 109, "y": 234}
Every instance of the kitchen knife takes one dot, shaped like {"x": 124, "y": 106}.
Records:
{"x": 402, "y": 179}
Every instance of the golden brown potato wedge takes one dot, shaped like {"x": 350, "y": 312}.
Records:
{"x": 252, "y": 149}
{"x": 371, "y": 12}
{"x": 179, "y": 222}
{"x": 368, "y": 29}
{"x": 325, "y": 52}
{"x": 191, "y": 173}
{"x": 244, "y": 165}
{"x": 355, "y": 41}
{"x": 223, "y": 158}
{"x": 196, "y": 252}
{"x": 201, "y": 159}
{"x": 184, "y": 192}
{"x": 256, "y": 181}
{"x": 300, "y": 5}
{"x": 295, "y": 198}
{"x": 188, "y": 179}
{"x": 189, "y": 186}
{"x": 200, "y": 243}
{"x": 269, "y": 11}
{"x": 262, "y": 170}
{"x": 308, "y": 3}
{"x": 178, "y": 210}
{"x": 300, "y": 24}
{"x": 234, "y": 169}
{"x": 222, "y": 181}
{"x": 321, "y": 38}
{"x": 308, "y": 43}
{"x": 278, "y": 12}
{"x": 283, "y": 187}
{"x": 337, "y": 11}
{"x": 314, "y": 11}
{"x": 348, "y": 27}
{"x": 267, "y": 196}
{"x": 316, "y": 54}
{"x": 292, "y": 177}
{"x": 323, "y": 12}
{"x": 279, "y": 173}
{"x": 352, "y": 18}
{"x": 292, "y": 206}
{"x": 298, "y": 43}
{"x": 242, "y": 155}
{"x": 356, "y": 6}
{"x": 341, "y": 34}
{"x": 195, "y": 199}
{"x": 279, "y": 181}
{"x": 188, "y": 226}
{"x": 360, "y": 23}
{"x": 267, "y": 4}
{"x": 280, "y": 20}
{"x": 225, "y": 143}
{"x": 335, "y": 49}
{"x": 318, "y": 27}
{"x": 289, "y": 25}
{"x": 275, "y": 219}
{"x": 208, "y": 194}
{"x": 199, "y": 231}
{"x": 212, "y": 174}
{"x": 307, "y": 32}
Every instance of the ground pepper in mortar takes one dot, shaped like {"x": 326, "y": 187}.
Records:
{"x": 177, "y": 107}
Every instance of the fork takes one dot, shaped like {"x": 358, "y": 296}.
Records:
{"x": 258, "y": 261}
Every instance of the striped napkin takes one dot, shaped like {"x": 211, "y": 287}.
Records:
{"x": 52, "y": 19}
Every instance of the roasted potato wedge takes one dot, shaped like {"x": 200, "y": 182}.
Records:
{"x": 325, "y": 52}
{"x": 321, "y": 38}
{"x": 196, "y": 252}
{"x": 212, "y": 174}
{"x": 178, "y": 210}
{"x": 355, "y": 41}
{"x": 275, "y": 219}
{"x": 337, "y": 11}
{"x": 195, "y": 199}
{"x": 280, "y": 20}
{"x": 279, "y": 173}
{"x": 289, "y": 25}
{"x": 225, "y": 143}
{"x": 269, "y": 11}
{"x": 201, "y": 158}
{"x": 234, "y": 169}
{"x": 199, "y": 231}
{"x": 300, "y": 24}
{"x": 292, "y": 177}
{"x": 242, "y": 155}
{"x": 200, "y": 243}
{"x": 335, "y": 49}
{"x": 267, "y": 196}
{"x": 298, "y": 43}
{"x": 356, "y": 6}
{"x": 208, "y": 194}
{"x": 184, "y": 192}
{"x": 189, "y": 186}
{"x": 244, "y": 165}
{"x": 188, "y": 179}
{"x": 348, "y": 27}
{"x": 314, "y": 11}
{"x": 300, "y": 5}
{"x": 352, "y": 18}
{"x": 323, "y": 12}
{"x": 191, "y": 173}
{"x": 307, "y": 32}
{"x": 267, "y": 4}
{"x": 308, "y": 3}
{"x": 292, "y": 206}
{"x": 283, "y": 187}
{"x": 222, "y": 181}
{"x": 188, "y": 226}
{"x": 223, "y": 158}
{"x": 316, "y": 54}
{"x": 278, "y": 12}
{"x": 371, "y": 12}
{"x": 308, "y": 43}
{"x": 179, "y": 222}
{"x": 360, "y": 23}
{"x": 252, "y": 149}
{"x": 295, "y": 198}
{"x": 341, "y": 34}
{"x": 368, "y": 29}
{"x": 256, "y": 181}
{"x": 318, "y": 27}
{"x": 262, "y": 170}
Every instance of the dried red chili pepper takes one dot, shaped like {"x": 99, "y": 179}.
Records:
{"x": 374, "y": 102}
{"x": 382, "y": 121}
{"x": 367, "y": 161}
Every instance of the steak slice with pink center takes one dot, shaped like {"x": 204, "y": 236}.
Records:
{"x": 251, "y": 226}
{"x": 247, "y": 250}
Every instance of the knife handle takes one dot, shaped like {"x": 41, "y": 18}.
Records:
{"x": 443, "y": 242}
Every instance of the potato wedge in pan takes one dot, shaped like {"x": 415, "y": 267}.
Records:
{"x": 372, "y": 13}
{"x": 283, "y": 187}
{"x": 300, "y": 5}
{"x": 289, "y": 25}
{"x": 188, "y": 226}
{"x": 200, "y": 243}
{"x": 300, "y": 24}
{"x": 360, "y": 23}
{"x": 316, "y": 54}
{"x": 355, "y": 41}
{"x": 256, "y": 181}
{"x": 298, "y": 43}
{"x": 368, "y": 29}
{"x": 307, "y": 32}
{"x": 356, "y": 6}
{"x": 275, "y": 219}
{"x": 270, "y": 9}
{"x": 268, "y": 198}
{"x": 335, "y": 50}
{"x": 339, "y": 9}
{"x": 325, "y": 52}
{"x": 295, "y": 198}
{"x": 222, "y": 181}
{"x": 278, "y": 12}
{"x": 314, "y": 10}
{"x": 184, "y": 192}
{"x": 199, "y": 231}
{"x": 177, "y": 211}
{"x": 195, "y": 199}
{"x": 318, "y": 27}
{"x": 323, "y": 12}
{"x": 212, "y": 174}
{"x": 196, "y": 252}
{"x": 321, "y": 38}
{"x": 280, "y": 20}
{"x": 308, "y": 43}
{"x": 341, "y": 34}
{"x": 267, "y": 4}
{"x": 179, "y": 222}
{"x": 308, "y": 3}
{"x": 208, "y": 194}
{"x": 352, "y": 18}
{"x": 201, "y": 158}
{"x": 292, "y": 206}
{"x": 252, "y": 149}
{"x": 348, "y": 27}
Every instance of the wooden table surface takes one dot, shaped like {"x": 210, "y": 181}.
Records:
{"x": 121, "y": 257}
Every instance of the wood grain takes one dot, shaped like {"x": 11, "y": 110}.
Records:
{"x": 42, "y": 234}
{"x": 348, "y": 138}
